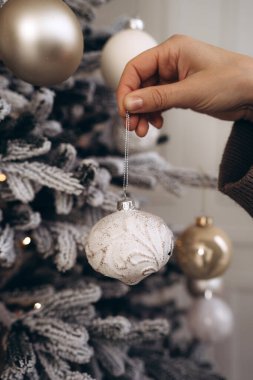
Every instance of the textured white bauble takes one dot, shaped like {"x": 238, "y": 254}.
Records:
{"x": 199, "y": 287}
{"x": 210, "y": 320}
{"x": 129, "y": 245}
{"x": 137, "y": 144}
{"x": 120, "y": 49}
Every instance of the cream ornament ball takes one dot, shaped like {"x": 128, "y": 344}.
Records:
{"x": 41, "y": 41}
{"x": 121, "y": 48}
{"x": 138, "y": 144}
{"x": 210, "y": 320}
{"x": 129, "y": 244}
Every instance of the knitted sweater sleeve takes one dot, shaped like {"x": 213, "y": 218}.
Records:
{"x": 236, "y": 168}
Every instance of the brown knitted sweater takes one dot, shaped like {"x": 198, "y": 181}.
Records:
{"x": 236, "y": 168}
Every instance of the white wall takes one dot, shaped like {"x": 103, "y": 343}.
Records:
{"x": 198, "y": 141}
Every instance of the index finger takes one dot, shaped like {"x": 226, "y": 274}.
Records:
{"x": 137, "y": 71}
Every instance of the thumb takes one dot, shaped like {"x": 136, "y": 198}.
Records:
{"x": 160, "y": 98}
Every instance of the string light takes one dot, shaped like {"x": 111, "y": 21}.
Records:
{"x": 3, "y": 177}
{"x": 27, "y": 240}
{"x": 37, "y": 306}
{"x": 201, "y": 251}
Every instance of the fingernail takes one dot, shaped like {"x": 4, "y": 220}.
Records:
{"x": 133, "y": 103}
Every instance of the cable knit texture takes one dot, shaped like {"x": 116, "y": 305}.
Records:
{"x": 236, "y": 169}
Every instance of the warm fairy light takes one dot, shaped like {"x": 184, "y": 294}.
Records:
{"x": 27, "y": 240}
{"x": 201, "y": 251}
{"x": 37, "y": 306}
{"x": 3, "y": 177}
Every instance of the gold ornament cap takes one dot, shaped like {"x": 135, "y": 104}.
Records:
{"x": 204, "y": 221}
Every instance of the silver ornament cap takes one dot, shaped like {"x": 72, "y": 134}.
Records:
{"x": 126, "y": 205}
{"x": 199, "y": 287}
{"x": 135, "y": 24}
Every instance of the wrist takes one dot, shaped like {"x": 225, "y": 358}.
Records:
{"x": 246, "y": 81}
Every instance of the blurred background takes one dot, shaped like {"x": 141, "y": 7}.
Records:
{"x": 198, "y": 141}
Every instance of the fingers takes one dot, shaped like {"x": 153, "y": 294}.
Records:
{"x": 188, "y": 93}
{"x": 197, "y": 92}
{"x": 155, "y": 119}
{"x": 149, "y": 99}
{"x": 183, "y": 73}
{"x": 150, "y": 68}
{"x": 138, "y": 70}
{"x": 144, "y": 123}
{"x": 142, "y": 127}
{"x": 160, "y": 98}
{"x": 141, "y": 90}
{"x": 147, "y": 70}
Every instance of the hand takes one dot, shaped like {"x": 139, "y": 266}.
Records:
{"x": 186, "y": 73}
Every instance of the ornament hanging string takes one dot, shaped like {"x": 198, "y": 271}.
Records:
{"x": 203, "y": 191}
{"x": 137, "y": 9}
{"x": 126, "y": 159}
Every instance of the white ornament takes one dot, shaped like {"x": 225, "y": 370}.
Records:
{"x": 129, "y": 244}
{"x": 210, "y": 319}
{"x": 120, "y": 49}
{"x": 138, "y": 144}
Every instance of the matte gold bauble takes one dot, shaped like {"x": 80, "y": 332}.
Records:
{"x": 203, "y": 251}
{"x": 41, "y": 41}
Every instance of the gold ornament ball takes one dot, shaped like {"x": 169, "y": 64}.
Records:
{"x": 203, "y": 251}
{"x": 41, "y": 41}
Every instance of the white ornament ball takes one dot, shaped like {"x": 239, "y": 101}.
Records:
{"x": 210, "y": 320}
{"x": 137, "y": 144}
{"x": 129, "y": 245}
{"x": 120, "y": 49}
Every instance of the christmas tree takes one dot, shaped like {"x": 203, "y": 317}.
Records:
{"x": 58, "y": 318}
